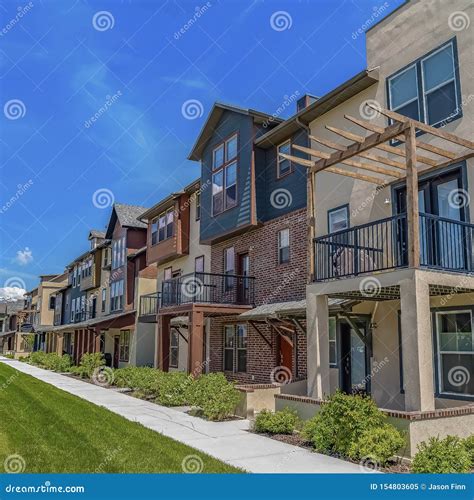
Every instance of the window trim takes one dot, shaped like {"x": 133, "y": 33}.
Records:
{"x": 420, "y": 91}
{"x": 280, "y": 263}
{"x": 335, "y": 209}
{"x": 280, "y": 160}
{"x": 203, "y": 263}
{"x": 156, "y": 220}
{"x": 234, "y": 347}
{"x": 437, "y": 355}
{"x": 122, "y": 358}
{"x": 335, "y": 364}
{"x": 197, "y": 206}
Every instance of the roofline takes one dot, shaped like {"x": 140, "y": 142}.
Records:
{"x": 228, "y": 107}
{"x": 165, "y": 202}
{"x": 406, "y": 2}
{"x": 365, "y": 77}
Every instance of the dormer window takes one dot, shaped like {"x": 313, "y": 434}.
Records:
{"x": 224, "y": 178}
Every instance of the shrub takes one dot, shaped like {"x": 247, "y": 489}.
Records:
{"x": 377, "y": 444}
{"x": 280, "y": 422}
{"x": 38, "y": 358}
{"x": 468, "y": 444}
{"x": 57, "y": 363}
{"x": 216, "y": 397}
{"x": 143, "y": 380}
{"x": 442, "y": 456}
{"x": 89, "y": 363}
{"x": 341, "y": 421}
{"x": 172, "y": 388}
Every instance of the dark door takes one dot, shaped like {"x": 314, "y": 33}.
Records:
{"x": 116, "y": 351}
{"x": 94, "y": 307}
{"x": 243, "y": 270}
{"x": 354, "y": 360}
{"x": 286, "y": 353}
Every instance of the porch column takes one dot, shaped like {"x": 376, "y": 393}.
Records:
{"x": 318, "y": 345}
{"x": 413, "y": 216}
{"x": 60, "y": 343}
{"x": 163, "y": 342}
{"x": 417, "y": 345}
{"x": 196, "y": 343}
{"x": 96, "y": 340}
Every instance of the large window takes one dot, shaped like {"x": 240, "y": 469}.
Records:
{"x": 455, "y": 340}
{"x": 428, "y": 90}
{"x": 118, "y": 252}
{"x": 224, "y": 177}
{"x": 174, "y": 349}
{"x": 235, "y": 348}
{"x": 229, "y": 267}
{"x": 124, "y": 344}
{"x": 162, "y": 227}
{"x": 116, "y": 295}
{"x": 283, "y": 246}
{"x": 283, "y": 165}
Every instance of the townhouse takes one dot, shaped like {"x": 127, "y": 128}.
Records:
{"x": 12, "y": 339}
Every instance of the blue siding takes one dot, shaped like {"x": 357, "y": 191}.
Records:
{"x": 212, "y": 227}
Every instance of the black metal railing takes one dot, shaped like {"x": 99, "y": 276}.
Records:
{"x": 382, "y": 245}
{"x": 208, "y": 288}
{"x": 149, "y": 304}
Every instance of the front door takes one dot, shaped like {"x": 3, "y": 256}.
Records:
{"x": 354, "y": 359}
{"x": 243, "y": 270}
{"x": 116, "y": 351}
{"x": 286, "y": 353}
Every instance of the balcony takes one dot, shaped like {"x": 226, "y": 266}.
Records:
{"x": 445, "y": 244}
{"x": 208, "y": 288}
{"x": 88, "y": 282}
{"x": 149, "y": 305}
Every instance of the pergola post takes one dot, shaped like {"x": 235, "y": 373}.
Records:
{"x": 163, "y": 341}
{"x": 196, "y": 343}
{"x": 413, "y": 218}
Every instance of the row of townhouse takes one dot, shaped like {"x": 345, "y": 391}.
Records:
{"x": 331, "y": 250}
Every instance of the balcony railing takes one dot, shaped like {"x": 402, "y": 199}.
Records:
{"x": 382, "y": 245}
{"x": 149, "y": 304}
{"x": 208, "y": 288}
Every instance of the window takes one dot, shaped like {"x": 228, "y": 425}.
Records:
{"x": 198, "y": 206}
{"x": 118, "y": 252}
{"x": 169, "y": 223}
{"x": 338, "y": 219}
{"x": 283, "y": 165}
{"x": 332, "y": 342}
{"x": 235, "y": 348}
{"x": 168, "y": 272}
{"x": 124, "y": 344}
{"x": 162, "y": 227}
{"x": 199, "y": 264}
{"x": 283, "y": 246}
{"x": 104, "y": 299}
{"x": 229, "y": 267}
{"x": 428, "y": 90}
{"x": 224, "y": 179}
{"x": 106, "y": 253}
{"x": 174, "y": 348}
{"x": 116, "y": 295}
{"x": 52, "y": 302}
{"x": 154, "y": 232}
{"x": 455, "y": 342}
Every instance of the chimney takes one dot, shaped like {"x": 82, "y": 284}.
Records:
{"x": 305, "y": 101}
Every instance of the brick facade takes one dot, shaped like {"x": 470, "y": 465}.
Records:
{"x": 273, "y": 283}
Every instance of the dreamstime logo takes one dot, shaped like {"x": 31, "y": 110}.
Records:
{"x": 103, "y": 198}
{"x": 458, "y": 376}
{"x": 368, "y": 112}
{"x": 376, "y": 13}
{"x": 103, "y": 20}
{"x": 459, "y": 198}
{"x": 14, "y": 109}
{"x": 192, "y": 287}
{"x": 103, "y": 376}
{"x": 281, "y": 198}
{"x": 14, "y": 464}
{"x": 281, "y": 20}
{"x": 192, "y": 109}
{"x": 281, "y": 375}
{"x": 370, "y": 287}
{"x": 198, "y": 12}
{"x": 109, "y": 101}
{"x": 21, "y": 11}
{"x": 458, "y": 21}
{"x": 192, "y": 464}
{"x": 15, "y": 282}
{"x": 22, "y": 188}
{"x": 369, "y": 464}
{"x": 288, "y": 100}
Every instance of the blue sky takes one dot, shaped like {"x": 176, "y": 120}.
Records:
{"x": 133, "y": 67}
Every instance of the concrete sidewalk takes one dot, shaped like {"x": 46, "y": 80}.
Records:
{"x": 227, "y": 441}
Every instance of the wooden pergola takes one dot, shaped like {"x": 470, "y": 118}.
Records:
{"x": 363, "y": 154}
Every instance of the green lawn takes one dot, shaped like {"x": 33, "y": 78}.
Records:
{"x": 53, "y": 431}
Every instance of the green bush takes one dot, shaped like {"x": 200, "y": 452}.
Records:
{"x": 172, "y": 388}
{"x": 57, "y": 363}
{"x": 378, "y": 444}
{"x": 38, "y": 358}
{"x": 214, "y": 395}
{"x": 141, "y": 379}
{"x": 89, "y": 363}
{"x": 341, "y": 421}
{"x": 442, "y": 456}
{"x": 280, "y": 422}
{"x": 468, "y": 444}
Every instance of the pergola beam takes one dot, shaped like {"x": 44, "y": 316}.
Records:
{"x": 350, "y": 163}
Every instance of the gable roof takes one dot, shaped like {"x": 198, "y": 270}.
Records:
{"x": 213, "y": 119}
{"x": 95, "y": 233}
{"x": 127, "y": 215}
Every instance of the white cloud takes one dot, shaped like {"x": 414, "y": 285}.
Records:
{"x": 11, "y": 294}
{"x": 24, "y": 257}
